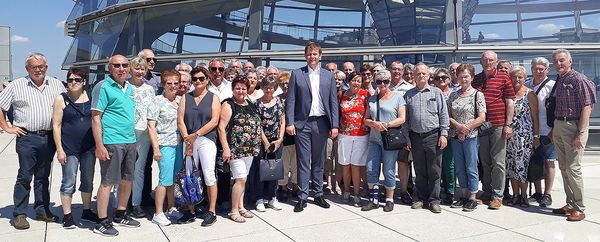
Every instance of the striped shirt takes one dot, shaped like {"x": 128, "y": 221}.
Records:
{"x": 574, "y": 91}
{"x": 32, "y": 105}
{"x": 496, "y": 89}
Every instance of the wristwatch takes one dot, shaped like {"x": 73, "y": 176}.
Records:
{"x": 536, "y": 136}
{"x": 510, "y": 125}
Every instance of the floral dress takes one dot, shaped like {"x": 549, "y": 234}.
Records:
{"x": 519, "y": 147}
{"x": 353, "y": 109}
{"x": 143, "y": 96}
{"x": 244, "y": 130}
{"x": 271, "y": 118}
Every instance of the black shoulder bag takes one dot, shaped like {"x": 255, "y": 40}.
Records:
{"x": 550, "y": 104}
{"x": 392, "y": 138}
{"x": 485, "y": 128}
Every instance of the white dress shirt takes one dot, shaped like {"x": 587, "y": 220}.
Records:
{"x": 316, "y": 106}
{"x": 223, "y": 91}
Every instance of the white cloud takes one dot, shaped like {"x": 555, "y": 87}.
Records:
{"x": 19, "y": 39}
{"x": 492, "y": 36}
{"x": 61, "y": 24}
{"x": 549, "y": 28}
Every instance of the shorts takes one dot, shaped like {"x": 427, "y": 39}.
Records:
{"x": 548, "y": 149}
{"x": 352, "y": 150}
{"x": 166, "y": 166}
{"x": 240, "y": 167}
{"x": 121, "y": 164}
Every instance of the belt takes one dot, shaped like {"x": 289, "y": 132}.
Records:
{"x": 566, "y": 118}
{"x": 316, "y": 117}
{"x": 433, "y": 131}
{"x": 39, "y": 132}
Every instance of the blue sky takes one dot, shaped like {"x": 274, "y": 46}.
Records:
{"x": 36, "y": 26}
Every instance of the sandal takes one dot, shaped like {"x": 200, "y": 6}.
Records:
{"x": 246, "y": 214}
{"x": 236, "y": 217}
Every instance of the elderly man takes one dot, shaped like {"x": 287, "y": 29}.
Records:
{"x": 453, "y": 76}
{"x": 235, "y": 64}
{"x": 31, "y": 97}
{"x": 331, "y": 67}
{"x": 248, "y": 66}
{"x": 184, "y": 83}
{"x": 184, "y": 67}
{"x": 348, "y": 67}
{"x": 312, "y": 115}
{"x": 499, "y": 99}
{"x": 151, "y": 78}
{"x": 575, "y": 94}
{"x": 218, "y": 84}
{"x": 113, "y": 109}
{"x": 398, "y": 84}
{"x": 272, "y": 71}
{"x": 427, "y": 124}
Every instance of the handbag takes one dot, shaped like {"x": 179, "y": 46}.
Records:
{"x": 550, "y": 104}
{"x": 536, "y": 170}
{"x": 220, "y": 165}
{"x": 188, "y": 188}
{"x": 392, "y": 138}
{"x": 270, "y": 169}
{"x": 486, "y": 128}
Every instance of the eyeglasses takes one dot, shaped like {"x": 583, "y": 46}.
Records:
{"x": 72, "y": 80}
{"x": 150, "y": 60}
{"x": 214, "y": 69}
{"x": 117, "y": 65}
{"x": 379, "y": 82}
{"x": 38, "y": 67}
{"x": 440, "y": 78}
{"x": 366, "y": 74}
{"x": 201, "y": 78}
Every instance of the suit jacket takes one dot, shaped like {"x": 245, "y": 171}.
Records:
{"x": 297, "y": 105}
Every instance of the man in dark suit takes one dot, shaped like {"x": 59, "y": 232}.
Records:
{"x": 311, "y": 116}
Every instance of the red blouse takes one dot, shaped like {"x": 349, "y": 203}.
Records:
{"x": 352, "y": 113}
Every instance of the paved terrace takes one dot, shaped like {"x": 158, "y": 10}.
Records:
{"x": 339, "y": 223}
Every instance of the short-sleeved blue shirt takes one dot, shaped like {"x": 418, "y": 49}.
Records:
{"x": 117, "y": 105}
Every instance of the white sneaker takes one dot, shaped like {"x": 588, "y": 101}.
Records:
{"x": 260, "y": 206}
{"x": 161, "y": 219}
{"x": 174, "y": 214}
{"x": 274, "y": 204}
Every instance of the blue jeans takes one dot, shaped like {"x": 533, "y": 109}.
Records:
{"x": 35, "y": 155}
{"x": 86, "y": 163}
{"x": 143, "y": 145}
{"x": 465, "y": 162}
{"x": 375, "y": 157}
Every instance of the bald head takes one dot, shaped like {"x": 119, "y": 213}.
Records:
{"x": 489, "y": 60}
{"x": 118, "y": 67}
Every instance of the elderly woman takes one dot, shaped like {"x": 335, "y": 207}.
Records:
{"x": 408, "y": 76}
{"x": 72, "y": 129}
{"x": 386, "y": 110}
{"x": 526, "y": 134}
{"x": 240, "y": 134}
{"x": 354, "y": 136}
{"x": 290, "y": 171}
{"x": 143, "y": 96}
{"x": 367, "y": 77}
{"x": 271, "y": 110}
{"x": 261, "y": 72}
{"x": 441, "y": 80}
{"x": 340, "y": 79}
{"x": 466, "y": 108}
{"x": 254, "y": 92}
{"x": 197, "y": 118}
{"x": 166, "y": 142}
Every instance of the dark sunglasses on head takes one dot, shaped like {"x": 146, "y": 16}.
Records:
{"x": 150, "y": 59}
{"x": 117, "y": 65}
{"x": 440, "y": 78}
{"x": 202, "y": 78}
{"x": 70, "y": 80}
{"x": 221, "y": 69}
{"x": 382, "y": 81}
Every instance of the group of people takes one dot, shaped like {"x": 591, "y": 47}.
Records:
{"x": 326, "y": 125}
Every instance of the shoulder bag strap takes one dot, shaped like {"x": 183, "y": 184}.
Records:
{"x": 475, "y": 103}
{"x": 377, "y": 106}
{"x": 542, "y": 86}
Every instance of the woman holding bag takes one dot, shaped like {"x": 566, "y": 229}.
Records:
{"x": 271, "y": 110}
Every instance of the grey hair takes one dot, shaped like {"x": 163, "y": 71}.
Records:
{"x": 141, "y": 53}
{"x": 185, "y": 73}
{"x": 377, "y": 65}
{"x": 269, "y": 81}
{"x": 272, "y": 67}
{"x": 453, "y": 63}
{"x": 35, "y": 55}
{"x": 260, "y": 68}
{"x": 216, "y": 60}
{"x": 339, "y": 74}
{"x": 540, "y": 61}
{"x": 383, "y": 75}
{"x": 444, "y": 70}
{"x": 518, "y": 69}
{"x": 138, "y": 61}
{"x": 409, "y": 67}
{"x": 559, "y": 51}
{"x": 234, "y": 61}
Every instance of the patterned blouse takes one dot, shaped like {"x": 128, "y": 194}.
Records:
{"x": 353, "y": 109}
{"x": 462, "y": 109}
{"x": 165, "y": 114}
{"x": 271, "y": 118}
{"x": 244, "y": 130}
{"x": 143, "y": 96}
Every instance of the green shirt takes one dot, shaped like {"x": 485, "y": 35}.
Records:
{"x": 118, "y": 107}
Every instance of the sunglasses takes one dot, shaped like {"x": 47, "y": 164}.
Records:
{"x": 151, "y": 59}
{"x": 202, "y": 78}
{"x": 71, "y": 80}
{"x": 117, "y": 65}
{"x": 440, "y": 78}
{"x": 214, "y": 69}
{"x": 367, "y": 74}
{"x": 379, "y": 82}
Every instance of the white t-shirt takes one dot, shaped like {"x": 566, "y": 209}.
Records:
{"x": 541, "y": 97}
